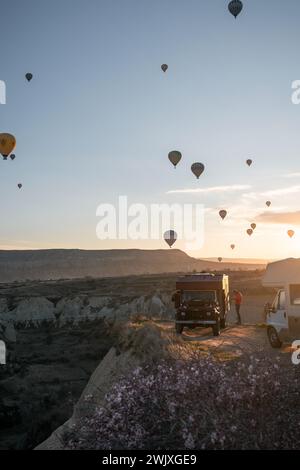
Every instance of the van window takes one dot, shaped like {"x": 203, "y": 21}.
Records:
{"x": 281, "y": 300}
{"x": 295, "y": 294}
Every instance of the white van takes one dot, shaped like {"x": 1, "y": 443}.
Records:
{"x": 283, "y": 316}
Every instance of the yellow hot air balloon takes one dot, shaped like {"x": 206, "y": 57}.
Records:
{"x": 7, "y": 144}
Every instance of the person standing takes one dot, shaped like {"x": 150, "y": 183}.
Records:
{"x": 238, "y": 299}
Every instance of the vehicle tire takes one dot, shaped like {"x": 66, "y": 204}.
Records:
{"x": 179, "y": 328}
{"x": 216, "y": 328}
{"x": 274, "y": 338}
{"x": 223, "y": 323}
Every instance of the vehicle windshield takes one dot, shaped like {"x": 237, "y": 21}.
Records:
{"x": 203, "y": 296}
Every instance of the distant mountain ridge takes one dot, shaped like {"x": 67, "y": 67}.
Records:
{"x": 20, "y": 265}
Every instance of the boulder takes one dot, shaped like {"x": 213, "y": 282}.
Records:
{"x": 68, "y": 310}
{"x": 156, "y": 306}
{"x": 33, "y": 312}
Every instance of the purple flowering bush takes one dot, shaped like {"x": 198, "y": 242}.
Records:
{"x": 202, "y": 403}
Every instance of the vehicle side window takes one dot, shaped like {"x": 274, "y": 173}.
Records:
{"x": 281, "y": 300}
{"x": 295, "y": 294}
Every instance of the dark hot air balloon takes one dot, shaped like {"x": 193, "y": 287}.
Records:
{"x": 20, "y": 185}
{"x": 249, "y": 231}
{"x": 197, "y": 169}
{"x": 268, "y": 203}
{"x": 253, "y": 226}
{"x": 170, "y": 237}
{"x": 249, "y": 162}
{"x": 28, "y": 76}
{"x": 223, "y": 214}
{"x": 12, "y": 156}
{"x": 232, "y": 247}
{"x": 235, "y": 7}
{"x": 174, "y": 157}
{"x": 164, "y": 67}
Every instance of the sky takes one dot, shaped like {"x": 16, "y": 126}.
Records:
{"x": 99, "y": 117}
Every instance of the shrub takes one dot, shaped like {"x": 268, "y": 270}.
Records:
{"x": 197, "y": 404}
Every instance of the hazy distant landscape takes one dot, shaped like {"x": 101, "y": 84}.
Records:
{"x": 21, "y": 265}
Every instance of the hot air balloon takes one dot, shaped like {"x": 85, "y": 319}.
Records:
{"x": 253, "y": 226}
{"x": 249, "y": 162}
{"x": 170, "y": 237}
{"x": 20, "y": 185}
{"x": 223, "y": 214}
{"x": 249, "y": 231}
{"x": 7, "y": 144}
{"x": 197, "y": 169}
{"x": 268, "y": 203}
{"x": 174, "y": 157}
{"x": 235, "y": 7}
{"x": 232, "y": 247}
{"x": 220, "y": 259}
{"x": 28, "y": 76}
{"x": 12, "y": 156}
{"x": 164, "y": 67}
{"x": 291, "y": 233}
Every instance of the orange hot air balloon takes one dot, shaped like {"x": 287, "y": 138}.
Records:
{"x": 7, "y": 144}
{"x": 291, "y": 233}
{"x": 223, "y": 214}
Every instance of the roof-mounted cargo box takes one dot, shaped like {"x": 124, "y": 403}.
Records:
{"x": 282, "y": 273}
{"x": 202, "y": 281}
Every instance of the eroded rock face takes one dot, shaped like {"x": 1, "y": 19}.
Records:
{"x": 33, "y": 312}
{"x": 69, "y": 310}
{"x": 156, "y": 306}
